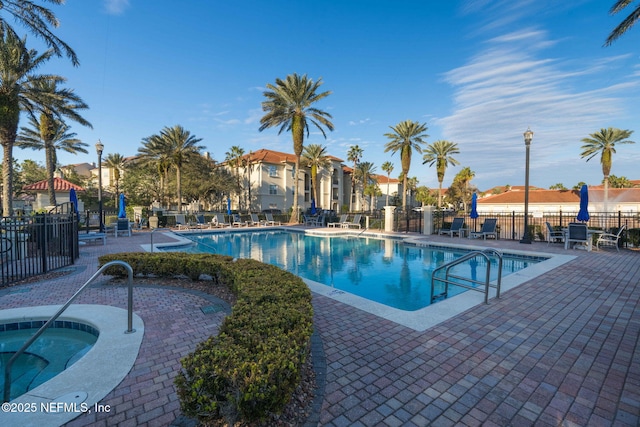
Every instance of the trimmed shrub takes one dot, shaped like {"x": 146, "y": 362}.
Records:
{"x": 253, "y": 366}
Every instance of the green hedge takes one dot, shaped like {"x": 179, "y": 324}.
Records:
{"x": 254, "y": 364}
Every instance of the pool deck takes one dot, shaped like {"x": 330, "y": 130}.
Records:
{"x": 561, "y": 349}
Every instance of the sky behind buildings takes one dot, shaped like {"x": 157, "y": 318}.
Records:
{"x": 477, "y": 72}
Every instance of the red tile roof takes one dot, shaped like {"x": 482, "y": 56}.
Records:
{"x": 271, "y": 156}
{"x": 59, "y": 184}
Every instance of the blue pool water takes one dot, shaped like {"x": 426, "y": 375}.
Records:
{"x": 382, "y": 270}
{"x": 53, "y": 352}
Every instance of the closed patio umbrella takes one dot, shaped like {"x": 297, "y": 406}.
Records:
{"x": 474, "y": 212}
{"x": 583, "y": 214}
{"x": 73, "y": 198}
{"x": 122, "y": 212}
{"x": 313, "y": 207}
{"x": 229, "y": 206}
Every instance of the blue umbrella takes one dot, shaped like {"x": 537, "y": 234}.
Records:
{"x": 313, "y": 207}
{"x": 122, "y": 213}
{"x": 73, "y": 198}
{"x": 228, "y": 206}
{"x": 474, "y": 206}
{"x": 583, "y": 214}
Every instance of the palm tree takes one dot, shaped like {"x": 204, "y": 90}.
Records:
{"x": 181, "y": 146}
{"x": 354, "y": 155}
{"x": 604, "y": 143}
{"x": 406, "y": 137}
{"x": 289, "y": 106}
{"x": 626, "y": 23}
{"x": 155, "y": 154}
{"x": 50, "y": 135}
{"x": 22, "y": 89}
{"x": 115, "y": 162}
{"x": 234, "y": 158}
{"x": 315, "y": 157}
{"x": 37, "y": 19}
{"x": 364, "y": 173}
{"x": 388, "y": 168}
{"x": 440, "y": 153}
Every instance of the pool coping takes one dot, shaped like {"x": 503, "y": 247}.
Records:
{"x": 94, "y": 375}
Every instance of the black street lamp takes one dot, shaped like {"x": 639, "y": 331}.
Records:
{"x": 528, "y": 136}
{"x": 99, "y": 149}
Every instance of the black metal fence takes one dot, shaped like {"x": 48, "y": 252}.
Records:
{"x": 511, "y": 224}
{"x": 32, "y": 245}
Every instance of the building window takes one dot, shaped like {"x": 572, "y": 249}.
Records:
{"x": 273, "y": 189}
{"x": 273, "y": 171}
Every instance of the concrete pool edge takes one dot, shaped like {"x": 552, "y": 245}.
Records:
{"x": 427, "y": 317}
{"x": 96, "y": 374}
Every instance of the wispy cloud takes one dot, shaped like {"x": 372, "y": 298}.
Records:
{"x": 510, "y": 85}
{"x": 116, "y": 7}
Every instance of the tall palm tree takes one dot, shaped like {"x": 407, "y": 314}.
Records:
{"x": 441, "y": 153}
{"x": 21, "y": 90}
{"x": 115, "y": 162}
{"x": 354, "y": 155}
{"x": 289, "y": 105}
{"x": 604, "y": 143}
{"x": 315, "y": 158}
{"x": 388, "y": 168}
{"x": 51, "y": 135}
{"x": 406, "y": 137}
{"x": 364, "y": 172}
{"x": 626, "y": 23}
{"x": 234, "y": 158}
{"x": 181, "y": 146}
{"x": 155, "y": 154}
{"x": 37, "y": 19}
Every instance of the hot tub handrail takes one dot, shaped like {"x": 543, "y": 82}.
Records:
{"x": 9, "y": 365}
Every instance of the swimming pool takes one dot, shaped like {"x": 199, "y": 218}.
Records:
{"x": 386, "y": 271}
{"x": 59, "y": 347}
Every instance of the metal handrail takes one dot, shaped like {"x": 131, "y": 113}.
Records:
{"x": 487, "y": 282}
{"x": 7, "y": 369}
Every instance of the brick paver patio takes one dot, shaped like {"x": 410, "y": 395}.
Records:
{"x": 561, "y": 349}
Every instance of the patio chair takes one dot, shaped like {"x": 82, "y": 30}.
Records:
{"x": 456, "y": 227}
{"x": 237, "y": 221}
{"x": 219, "y": 221}
{"x": 577, "y": 233}
{"x": 354, "y": 223}
{"x": 181, "y": 222}
{"x": 255, "y": 220}
{"x": 342, "y": 220}
{"x": 554, "y": 235}
{"x": 269, "y": 219}
{"x": 610, "y": 238}
{"x": 488, "y": 229}
{"x": 201, "y": 223}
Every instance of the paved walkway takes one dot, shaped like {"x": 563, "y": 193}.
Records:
{"x": 561, "y": 349}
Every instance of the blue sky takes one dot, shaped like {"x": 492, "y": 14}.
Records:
{"x": 477, "y": 72}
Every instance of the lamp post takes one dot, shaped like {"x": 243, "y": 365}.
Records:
{"x": 99, "y": 148}
{"x": 528, "y": 136}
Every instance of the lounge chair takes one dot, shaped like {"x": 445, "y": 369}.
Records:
{"x": 200, "y": 223}
{"x": 456, "y": 227}
{"x": 237, "y": 221}
{"x": 342, "y": 220}
{"x": 354, "y": 223}
{"x": 269, "y": 219}
{"x": 554, "y": 235}
{"x": 488, "y": 229}
{"x": 255, "y": 220}
{"x": 610, "y": 238}
{"x": 181, "y": 222}
{"x": 219, "y": 221}
{"x": 578, "y": 233}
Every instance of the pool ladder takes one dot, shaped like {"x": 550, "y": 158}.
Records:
{"x": 130, "y": 330}
{"x": 452, "y": 279}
